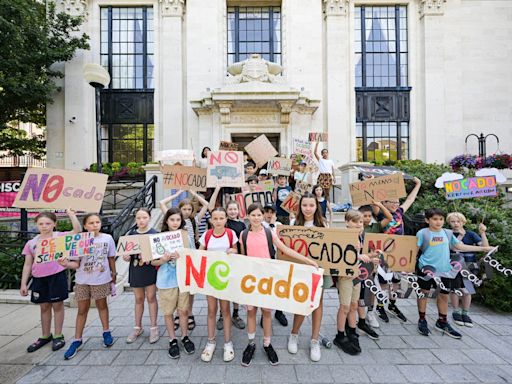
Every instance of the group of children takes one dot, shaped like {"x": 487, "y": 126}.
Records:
{"x": 254, "y": 237}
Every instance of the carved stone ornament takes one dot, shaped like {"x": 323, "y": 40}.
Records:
{"x": 172, "y": 7}
{"x": 431, "y": 7}
{"x": 73, "y": 7}
{"x": 254, "y": 69}
{"x": 336, "y": 7}
{"x": 225, "y": 113}
{"x": 286, "y": 109}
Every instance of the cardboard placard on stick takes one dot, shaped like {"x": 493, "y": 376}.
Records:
{"x": 291, "y": 203}
{"x": 59, "y": 188}
{"x": 331, "y": 248}
{"x": 186, "y": 178}
{"x": 377, "y": 189}
{"x": 399, "y": 251}
{"x": 279, "y": 166}
{"x": 225, "y": 169}
{"x": 247, "y": 198}
{"x": 321, "y": 137}
{"x": 174, "y": 155}
{"x": 261, "y": 150}
{"x": 471, "y": 187}
{"x": 71, "y": 245}
{"x": 228, "y": 146}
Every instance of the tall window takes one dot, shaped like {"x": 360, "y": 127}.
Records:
{"x": 127, "y": 52}
{"x": 381, "y": 74}
{"x": 254, "y": 30}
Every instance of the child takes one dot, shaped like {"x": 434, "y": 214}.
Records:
{"x": 326, "y": 169}
{"x": 349, "y": 292}
{"x": 93, "y": 280}
{"x": 301, "y": 174}
{"x": 396, "y": 227}
{"x": 142, "y": 278}
{"x": 49, "y": 281}
{"x": 255, "y": 243}
{"x": 221, "y": 239}
{"x": 457, "y": 221}
{"x": 281, "y": 192}
{"x": 263, "y": 175}
{"x": 170, "y": 296}
{"x": 252, "y": 184}
{"x": 250, "y": 169}
{"x": 322, "y": 201}
{"x": 309, "y": 215}
{"x": 436, "y": 253}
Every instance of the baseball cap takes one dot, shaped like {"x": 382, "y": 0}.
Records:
{"x": 263, "y": 172}
{"x": 270, "y": 206}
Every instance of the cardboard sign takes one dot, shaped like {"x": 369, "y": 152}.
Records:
{"x": 302, "y": 187}
{"x": 399, "y": 251}
{"x": 248, "y": 198}
{"x": 302, "y": 147}
{"x": 321, "y": 137}
{"x": 225, "y": 169}
{"x": 291, "y": 203}
{"x": 165, "y": 242}
{"x": 228, "y": 146}
{"x": 279, "y": 166}
{"x": 265, "y": 283}
{"x": 378, "y": 189}
{"x": 471, "y": 187}
{"x": 59, "y": 188}
{"x": 73, "y": 245}
{"x": 186, "y": 178}
{"x": 331, "y": 248}
{"x": 266, "y": 185}
{"x": 261, "y": 150}
{"x": 174, "y": 155}
{"x": 132, "y": 245}
{"x": 376, "y": 171}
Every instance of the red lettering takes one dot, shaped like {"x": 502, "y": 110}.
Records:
{"x": 231, "y": 157}
{"x": 215, "y": 156}
{"x": 373, "y": 247}
{"x": 197, "y": 275}
{"x": 54, "y": 186}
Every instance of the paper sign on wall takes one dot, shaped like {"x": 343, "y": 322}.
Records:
{"x": 225, "y": 169}
{"x": 471, "y": 187}
{"x": 59, "y": 188}
{"x": 248, "y": 198}
{"x": 279, "y": 166}
{"x": 73, "y": 245}
{"x": 331, "y": 248}
{"x": 399, "y": 251}
{"x": 181, "y": 177}
{"x": 228, "y": 146}
{"x": 291, "y": 203}
{"x": 265, "y": 283}
{"x": 377, "y": 189}
{"x": 174, "y": 155}
{"x": 321, "y": 137}
{"x": 261, "y": 150}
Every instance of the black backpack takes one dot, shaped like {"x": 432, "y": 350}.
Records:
{"x": 413, "y": 223}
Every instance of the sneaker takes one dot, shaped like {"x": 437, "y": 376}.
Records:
{"x": 189, "y": 346}
{"x": 446, "y": 328}
{"x": 345, "y": 345}
{"x": 208, "y": 351}
{"x": 457, "y": 318}
{"x": 73, "y": 349}
{"x": 248, "y": 354}
{"x": 293, "y": 343}
{"x": 229, "y": 352}
{"x": 371, "y": 319}
{"x": 467, "y": 321}
{"x": 174, "y": 350}
{"x": 220, "y": 324}
{"x": 382, "y": 314}
{"x": 271, "y": 354}
{"x": 314, "y": 351}
{"x": 393, "y": 309}
{"x": 39, "y": 343}
{"x": 137, "y": 331}
{"x": 354, "y": 339}
{"x": 154, "y": 335}
{"x": 423, "y": 327}
{"x": 58, "y": 343}
{"x": 368, "y": 330}
{"x": 238, "y": 322}
{"x": 279, "y": 315}
{"x": 107, "y": 339}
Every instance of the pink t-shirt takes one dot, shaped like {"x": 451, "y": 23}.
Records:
{"x": 257, "y": 245}
{"x": 42, "y": 269}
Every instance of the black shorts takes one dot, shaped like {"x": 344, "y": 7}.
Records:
{"x": 393, "y": 280}
{"x": 49, "y": 289}
{"x": 450, "y": 284}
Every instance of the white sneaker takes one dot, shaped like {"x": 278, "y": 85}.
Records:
{"x": 229, "y": 353}
{"x": 371, "y": 319}
{"x": 207, "y": 354}
{"x": 293, "y": 343}
{"x": 314, "y": 351}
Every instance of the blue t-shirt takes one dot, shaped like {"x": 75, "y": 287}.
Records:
{"x": 469, "y": 238}
{"x": 437, "y": 253}
{"x": 166, "y": 275}
{"x": 282, "y": 194}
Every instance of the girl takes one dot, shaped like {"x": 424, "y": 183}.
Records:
{"x": 324, "y": 204}
{"x": 49, "y": 281}
{"x": 222, "y": 239}
{"x": 457, "y": 221}
{"x": 94, "y": 276}
{"x": 170, "y": 296}
{"x": 309, "y": 216}
{"x": 255, "y": 243}
{"x": 142, "y": 278}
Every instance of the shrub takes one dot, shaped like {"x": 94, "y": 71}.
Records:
{"x": 117, "y": 170}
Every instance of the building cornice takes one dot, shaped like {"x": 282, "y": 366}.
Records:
{"x": 431, "y": 7}
{"x": 336, "y": 7}
{"x": 73, "y": 7}
{"x": 173, "y": 8}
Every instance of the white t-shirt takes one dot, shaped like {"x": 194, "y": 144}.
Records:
{"x": 218, "y": 243}
{"x": 325, "y": 165}
{"x": 94, "y": 269}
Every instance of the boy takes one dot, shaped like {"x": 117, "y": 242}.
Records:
{"x": 250, "y": 169}
{"x": 281, "y": 192}
{"x": 263, "y": 175}
{"x": 436, "y": 253}
{"x": 252, "y": 183}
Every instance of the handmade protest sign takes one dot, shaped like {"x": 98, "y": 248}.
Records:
{"x": 174, "y": 155}
{"x": 279, "y": 166}
{"x": 73, "y": 245}
{"x": 261, "y": 150}
{"x": 399, "y": 251}
{"x": 181, "y": 177}
{"x": 376, "y": 171}
{"x": 470, "y": 187}
{"x": 302, "y": 147}
{"x": 228, "y": 146}
{"x": 165, "y": 242}
{"x": 291, "y": 203}
{"x": 377, "y": 189}
{"x": 247, "y": 198}
{"x": 264, "y": 283}
{"x": 266, "y": 185}
{"x": 59, "y": 188}
{"x": 225, "y": 169}
{"x": 331, "y": 248}
{"x": 133, "y": 244}
{"x": 321, "y": 137}
{"x": 301, "y": 187}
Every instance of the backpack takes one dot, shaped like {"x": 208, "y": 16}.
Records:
{"x": 270, "y": 244}
{"x": 413, "y": 223}
{"x": 209, "y": 233}
{"x": 426, "y": 238}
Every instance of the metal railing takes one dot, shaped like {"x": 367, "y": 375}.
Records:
{"x": 119, "y": 198}
{"x": 11, "y": 259}
{"x": 21, "y": 161}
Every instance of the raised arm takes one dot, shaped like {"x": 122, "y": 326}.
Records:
{"x": 483, "y": 234}
{"x": 316, "y": 150}
{"x": 77, "y": 227}
{"x": 213, "y": 198}
{"x": 387, "y": 215}
{"x": 168, "y": 199}
{"x": 412, "y": 196}
{"x": 203, "y": 202}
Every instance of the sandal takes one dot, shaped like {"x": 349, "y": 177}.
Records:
{"x": 58, "y": 343}
{"x": 191, "y": 323}
{"x": 154, "y": 335}
{"x": 229, "y": 353}
{"x": 38, "y": 344}
{"x": 207, "y": 354}
{"x": 176, "y": 322}
{"x": 137, "y": 331}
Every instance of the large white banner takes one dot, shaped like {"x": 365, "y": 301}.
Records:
{"x": 265, "y": 283}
